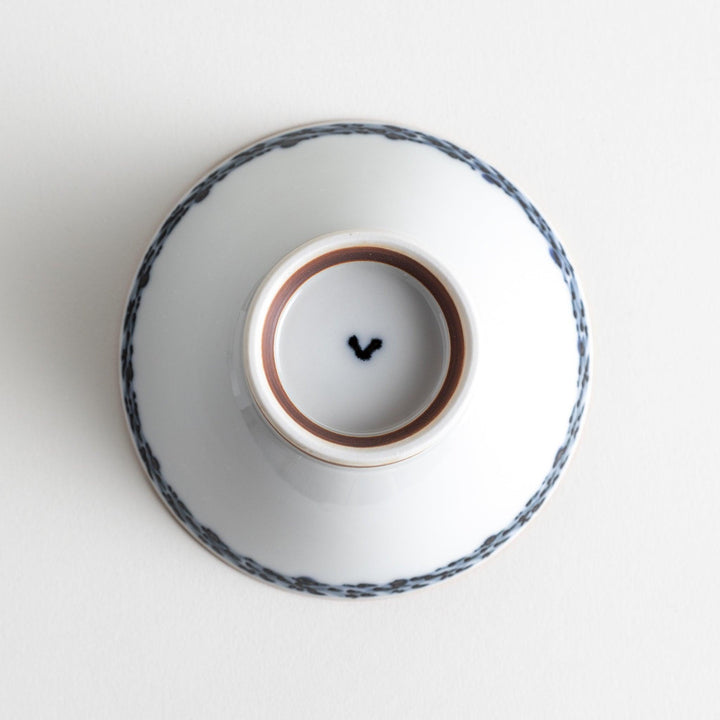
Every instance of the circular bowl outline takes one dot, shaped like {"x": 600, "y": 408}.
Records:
{"x": 205, "y": 535}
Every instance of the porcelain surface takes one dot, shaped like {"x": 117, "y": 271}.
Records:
{"x": 255, "y": 499}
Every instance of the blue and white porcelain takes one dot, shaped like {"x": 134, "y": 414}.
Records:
{"x": 355, "y": 360}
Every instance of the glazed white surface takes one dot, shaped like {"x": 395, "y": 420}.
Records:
{"x": 605, "y": 115}
{"x": 321, "y": 373}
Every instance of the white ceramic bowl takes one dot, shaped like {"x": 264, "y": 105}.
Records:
{"x": 355, "y": 360}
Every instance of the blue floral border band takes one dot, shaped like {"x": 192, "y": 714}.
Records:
{"x": 154, "y": 469}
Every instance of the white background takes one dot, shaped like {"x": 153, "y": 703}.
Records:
{"x": 606, "y": 114}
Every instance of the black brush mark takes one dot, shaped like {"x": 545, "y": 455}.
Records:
{"x": 364, "y": 353}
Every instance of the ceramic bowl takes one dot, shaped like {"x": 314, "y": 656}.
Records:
{"x": 355, "y": 360}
